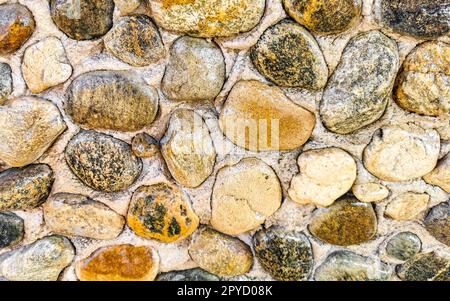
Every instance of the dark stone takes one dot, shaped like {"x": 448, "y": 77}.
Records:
{"x": 11, "y": 229}
{"x": 437, "y": 222}
{"x": 188, "y": 275}
{"x": 16, "y": 27}
{"x": 144, "y": 145}
{"x": 6, "y": 81}
{"x": 403, "y": 246}
{"x": 425, "y": 267}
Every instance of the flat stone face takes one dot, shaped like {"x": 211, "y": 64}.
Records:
{"x": 324, "y": 17}
{"x": 188, "y": 275}
{"x": 347, "y": 222}
{"x": 136, "y": 41}
{"x": 357, "y": 93}
{"x": 112, "y": 100}
{"x": 423, "y": 19}
{"x": 78, "y": 215}
{"x": 16, "y": 27}
{"x": 437, "y": 222}
{"x": 188, "y": 149}
{"x": 407, "y": 206}
{"x": 325, "y": 175}
{"x": 6, "y": 82}
{"x": 289, "y": 56}
{"x": 119, "y": 263}
{"x": 25, "y": 188}
{"x": 102, "y": 162}
{"x": 440, "y": 176}
{"x": 200, "y": 61}
{"x": 161, "y": 212}
{"x": 220, "y": 254}
{"x": 45, "y": 65}
{"x": 370, "y": 192}
{"x": 423, "y": 85}
{"x": 272, "y": 120}
{"x": 11, "y": 229}
{"x": 127, "y": 6}
{"x": 42, "y": 260}
{"x": 348, "y": 266}
{"x": 29, "y": 126}
{"x": 208, "y": 18}
{"x": 243, "y": 196}
{"x": 425, "y": 267}
{"x": 402, "y": 153}
{"x": 144, "y": 146}
{"x": 403, "y": 246}
{"x": 83, "y": 19}
{"x": 286, "y": 255}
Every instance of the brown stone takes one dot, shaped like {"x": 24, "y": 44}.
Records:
{"x": 144, "y": 146}
{"x": 437, "y": 222}
{"x": 16, "y": 27}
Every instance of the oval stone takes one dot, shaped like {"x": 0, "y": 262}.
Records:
{"x": 78, "y": 215}
{"x": 407, "y": 206}
{"x": 16, "y": 27}
{"x": 273, "y": 121}
{"x": 440, "y": 176}
{"x": 188, "y": 275}
{"x": 83, "y": 19}
{"x": 25, "y": 188}
{"x": 370, "y": 192}
{"x": 161, "y": 212}
{"x": 112, "y": 100}
{"x": 144, "y": 146}
{"x": 288, "y": 55}
{"x": 6, "y": 82}
{"x": 425, "y": 267}
{"x": 437, "y": 222}
{"x": 102, "y": 162}
{"x": 11, "y": 229}
{"x": 119, "y": 263}
{"x": 403, "y": 246}
{"x": 346, "y": 222}
{"x": 357, "y": 93}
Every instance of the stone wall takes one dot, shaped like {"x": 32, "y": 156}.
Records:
{"x": 118, "y": 159}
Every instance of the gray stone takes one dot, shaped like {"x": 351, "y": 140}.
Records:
{"x": 11, "y": 229}
{"x": 6, "y": 82}
{"x": 437, "y": 222}
{"x": 425, "y": 267}
{"x": 403, "y": 246}
{"x": 188, "y": 275}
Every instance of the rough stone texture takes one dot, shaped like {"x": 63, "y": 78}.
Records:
{"x": 208, "y": 18}
{"x": 112, "y": 100}
{"x": 188, "y": 149}
{"x": 274, "y": 122}
{"x": 102, "y": 162}
{"x": 188, "y": 275}
{"x": 6, "y": 82}
{"x": 407, "y": 206}
{"x": 144, "y": 146}
{"x": 440, "y": 176}
{"x": 402, "y": 153}
{"x": 425, "y": 267}
{"x": 11, "y": 229}
{"x": 370, "y": 192}
{"x": 243, "y": 196}
{"x": 289, "y": 56}
{"x": 127, "y": 6}
{"x": 357, "y": 93}
{"x": 16, "y": 27}
{"x": 25, "y": 188}
{"x": 325, "y": 175}
{"x": 403, "y": 246}
{"x": 437, "y": 222}
{"x": 119, "y": 263}
{"x": 29, "y": 126}
{"x": 78, "y": 215}
{"x": 195, "y": 72}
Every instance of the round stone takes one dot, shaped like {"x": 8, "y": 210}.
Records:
{"x": 425, "y": 267}
{"x": 200, "y": 61}
{"x": 220, "y": 254}
{"x": 259, "y": 117}
{"x": 437, "y": 222}
{"x": 188, "y": 275}
{"x": 16, "y": 27}
{"x": 135, "y": 40}
{"x": 440, "y": 176}
{"x": 212, "y": 18}
{"x": 112, "y": 100}
{"x": 346, "y": 222}
{"x": 83, "y": 19}
{"x": 407, "y": 206}
{"x": 324, "y": 17}
{"x": 11, "y": 229}
{"x": 370, "y": 192}
{"x": 402, "y": 153}
{"x": 78, "y": 215}
{"x": 289, "y": 56}
{"x": 102, "y": 162}
{"x": 403, "y": 246}
{"x": 161, "y": 212}
{"x": 424, "y": 84}
{"x": 286, "y": 255}
{"x": 243, "y": 196}
{"x": 119, "y": 263}
{"x": 325, "y": 175}
{"x": 25, "y": 188}
{"x": 358, "y": 91}
{"x": 6, "y": 82}
{"x": 144, "y": 146}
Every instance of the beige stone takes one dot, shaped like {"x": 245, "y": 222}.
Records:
{"x": 407, "y": 206}
{"x": 325, "y": 175}
{"x": 127, "y": 6}
{"x": 370, "y": 192}
{"x": 440, "y": 176}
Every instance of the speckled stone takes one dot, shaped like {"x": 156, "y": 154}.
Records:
{"x": 144, "y": 146}
{"x": 370, "y": 192}
{"x": 286, "y": 255}
{"x": 358, "y": 91}
{"x": 425, "y": 267}
{"x": 119, "y": 263}
{"x": 403, "y": 246}
{"x": 6, "y": 82}
{"x": 188, "y": 275}
{"x": 102, "y": 162}
{"x": 195, "y": 71}
{"x": 135, "y": 40}
{"x": 16, "y": 27}
{"x": 220, "y": 254}
{"x": 78, "y": 215}
{"x": 208, "y": 18}
{"x": 162, "y": 212}
{"x": 112, "y": 100}
{"x": 324, "y": 17}
{"x": 346, "y": 222}
{"x": 437, "y": 222}
{"x": 42, "y": 260}
{"x": 348, "y": 266}
{"x": 11, "y": 229}
{"x": 25, "y": 188}
{"x": 289, "y": 56}
{"x": 440, "y": 176}
{"x": 407, "y": 206}
{"x": 83, "y": 19}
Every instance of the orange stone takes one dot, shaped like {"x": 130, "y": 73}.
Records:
{"x": 16, "y": 26}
